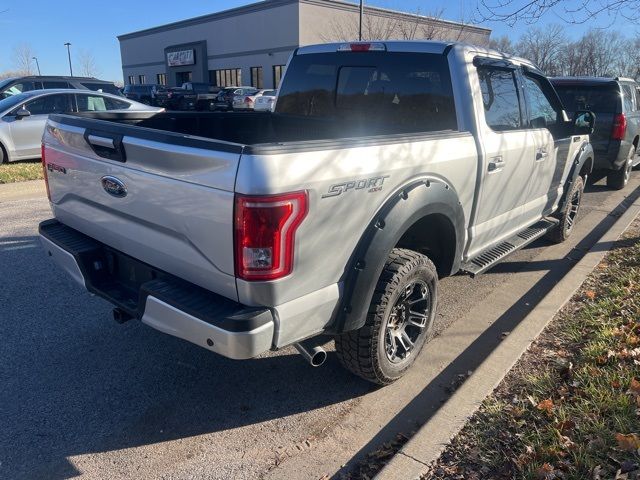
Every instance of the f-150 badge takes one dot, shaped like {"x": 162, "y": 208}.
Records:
{"x": 373, "y": 184}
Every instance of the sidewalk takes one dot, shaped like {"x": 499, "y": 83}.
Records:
{"x": 22, "y": 190}
{"x": 414, "y": 459}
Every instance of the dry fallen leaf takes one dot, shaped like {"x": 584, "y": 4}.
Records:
{"x": 634, "y": 387}
{"x": 544, "y": 472}
{"x": 590, "y": 294}
{"x": 546, "y": 406}
{"x": 629, "y": 442}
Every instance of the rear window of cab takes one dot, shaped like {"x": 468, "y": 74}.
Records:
{"x": 388, "y": 92}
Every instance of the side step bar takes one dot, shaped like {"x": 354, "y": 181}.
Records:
{"x": 489, "y": 258}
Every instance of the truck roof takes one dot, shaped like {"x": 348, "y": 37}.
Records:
{"x": 418, "y": 46}
{"x": 589, "y": 80}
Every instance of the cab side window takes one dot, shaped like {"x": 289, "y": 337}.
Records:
{"x": 542, "y": 113}
{"x": 500, "y": 98}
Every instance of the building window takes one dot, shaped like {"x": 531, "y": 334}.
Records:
{"x": 161, "y": 78}
{"x": 183, "y": 77}
{"x": 143, "y": 79}
{"x": 132, "y": 80}
{"x": 278, "y": 71}
{"x": 256, "y": 77}
{"x": 231, "y": 77}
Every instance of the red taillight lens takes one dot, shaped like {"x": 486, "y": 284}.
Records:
{"x": 44, "y": 171}
{"x": 248, "y": 100}
{"x": 265, "y": 230}
{"x": 619, "y": 127}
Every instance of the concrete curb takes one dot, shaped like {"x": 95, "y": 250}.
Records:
{"x": 413, "y": 460}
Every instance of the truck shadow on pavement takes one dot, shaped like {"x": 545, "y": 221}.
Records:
{"x": 427, "y": 403}
{"x": 74, "y": 382}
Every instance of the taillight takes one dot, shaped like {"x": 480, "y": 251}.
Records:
{"x": 265, "y": 228}
{"x": 619, "y": 127}
{"x": 44, "y": 171}
{"x": 248, "y": 100}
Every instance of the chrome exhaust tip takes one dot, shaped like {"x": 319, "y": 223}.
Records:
{"x": 316, "y": 356}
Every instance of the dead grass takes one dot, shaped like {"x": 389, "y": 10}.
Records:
{"x": 20, "y": 171}
{"x": 570, "y": 409}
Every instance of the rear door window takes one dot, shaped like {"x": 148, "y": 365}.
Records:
{"x": 98, "y": 103}
{"x": 500, "y": 98}
{"x": 373, "y": 92}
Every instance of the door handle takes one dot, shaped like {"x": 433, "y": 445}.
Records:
{"x": 496, "y": 163}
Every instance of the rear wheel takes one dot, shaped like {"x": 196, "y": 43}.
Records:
{"x": 3, "y": 155}
{"x": 569, "y": 213}
{"x": 618, "y": 179}
{"x": 399, "y": 320}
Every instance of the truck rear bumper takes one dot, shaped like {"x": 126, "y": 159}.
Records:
{"x": 159, "y": 299}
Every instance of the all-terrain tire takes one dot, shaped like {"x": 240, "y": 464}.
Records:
{"x": 569, "y": 213}
{"x": 618, "y": 179}
{"x": 364, "y": 351}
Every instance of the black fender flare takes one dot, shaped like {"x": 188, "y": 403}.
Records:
{"x": 585, "y": 154}
{"x": 407, "y": 205}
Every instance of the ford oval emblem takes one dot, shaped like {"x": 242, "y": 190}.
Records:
{"x": 114, "y": 186}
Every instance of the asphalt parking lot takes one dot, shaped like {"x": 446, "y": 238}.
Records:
{"x": 82, "y": 395}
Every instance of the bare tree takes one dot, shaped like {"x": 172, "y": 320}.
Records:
{"x": 503, "y": 44}
{"x": 529, "y": 11}
{"x": 545, "y": 47}
{"x": 23, "y": 59}
{"x": 88, "y": 65}
{"x": 416, "y": 26}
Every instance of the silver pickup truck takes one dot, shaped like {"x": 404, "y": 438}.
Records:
{"x": 384, "y": 167}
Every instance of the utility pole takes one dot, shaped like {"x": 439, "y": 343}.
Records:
{"x": 37, "y": 65}
{"x": 69, "y": 55}
{"x": 361, "y": 15}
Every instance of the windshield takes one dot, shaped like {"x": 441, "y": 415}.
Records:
{"x": 397, "y": 92}
{"x": 5, "y": 82}
{"x": 10, "y": 102}
{"x": 595, "y": 98}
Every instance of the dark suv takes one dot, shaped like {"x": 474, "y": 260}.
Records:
{"x": 616, "y": 103}
{"x": 15, "y": 85}
{"x": 142, "y": 93}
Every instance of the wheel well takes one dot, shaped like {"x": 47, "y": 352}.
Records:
{"x": 587, "y": 168}
{"x": 434, "y": 236}
{"x": 635, "y": 142}
{"x": 5, "y": 155}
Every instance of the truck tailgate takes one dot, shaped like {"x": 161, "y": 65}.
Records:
{"x": 168, "y": 199}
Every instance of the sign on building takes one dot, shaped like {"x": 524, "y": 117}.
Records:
{"x": 177, "y": 59}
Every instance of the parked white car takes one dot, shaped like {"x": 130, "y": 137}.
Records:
{"x": 246, "y": 99}
{"x": 23, "y": 116}
{"x": 266, "y": 101}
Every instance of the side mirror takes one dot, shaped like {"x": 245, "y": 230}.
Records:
{"x": 21, "y": 113}
{"x": 583, "y": 122}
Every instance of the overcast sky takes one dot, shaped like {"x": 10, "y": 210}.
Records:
{"x": 93, "y": 26}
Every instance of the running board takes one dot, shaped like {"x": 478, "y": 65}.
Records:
{"x": 489, "y": 258}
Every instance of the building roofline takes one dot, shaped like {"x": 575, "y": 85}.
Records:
{"x": 269, "y": 4}
{"x": 387, "y": 12}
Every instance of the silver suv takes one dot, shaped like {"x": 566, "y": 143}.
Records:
{"x": 16, "y": 85}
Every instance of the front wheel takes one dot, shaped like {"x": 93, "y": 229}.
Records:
{"x": 568, "y": 214}
{"x": 399, "y": 321}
